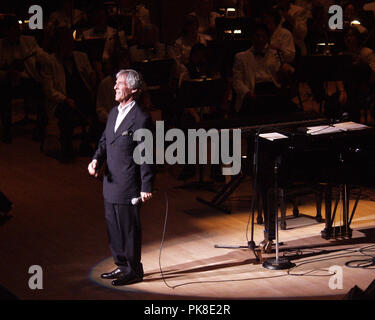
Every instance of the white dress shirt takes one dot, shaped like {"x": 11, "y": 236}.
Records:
{"x": 261, "y": 68}
{"x": 282, "y": 39}
{"x": 247, "y": 72}
{"x": 105, "y": 98}
{"x": 122, "y": 112}
{"x": 110, "y": 36}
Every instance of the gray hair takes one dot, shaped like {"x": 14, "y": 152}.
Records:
{"x": 132, "y": 78}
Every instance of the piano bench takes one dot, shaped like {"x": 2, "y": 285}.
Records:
{"x": 298, "y": 190}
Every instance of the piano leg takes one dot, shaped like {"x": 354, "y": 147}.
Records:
{"x": 318, "y": 200}
{"x": 259, "y": 208}
{"x": 325, "y": 233}
{"x": 344, "y": 229}
{"x": 295, "y": 208}
{"x": 345, "y": 209}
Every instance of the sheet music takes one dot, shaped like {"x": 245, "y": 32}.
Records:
{"x": 322, "y": 130}
{"x": 338, "y": 127}
{"x": 272, "y": 136}
{"x": 348, "y": 126}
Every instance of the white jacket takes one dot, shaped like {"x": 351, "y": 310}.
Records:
{"x": 26, "y": 47}
{"x": 53, "y": 74}
{"x": 299, "y": 16}
{"x": 244, "y": 72}
{"x": 110, "y": 40}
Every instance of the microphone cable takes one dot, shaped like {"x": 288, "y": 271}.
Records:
{"x": 162, "y": 240}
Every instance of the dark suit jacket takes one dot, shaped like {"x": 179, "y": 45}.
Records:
{"x": 124, "y": 179}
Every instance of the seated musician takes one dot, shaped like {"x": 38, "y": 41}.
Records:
{"x": 352, "y": 13}
{"x": 65, "y": 16}
{"x": 19, "y": 74}
{"x": 281, "y": 39}
{"x": 256, "y": 78}
{"x": 355, "y": 93}
{"x": 180, "y": 51}
{"x": 309, "y": 5}
{"x": 204, "y": 11}
{"x": 294, "y": 18}
{"x": 318, "y": 32}
{"x": 317, "y": 29}
{"x": 68, "y": 82}
{"x": 113, "y": 38}
{"x": 146, "y": 44}
{"x": 198, "y": 67}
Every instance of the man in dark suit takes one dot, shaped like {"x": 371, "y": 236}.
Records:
{"x": 124, "y": 179}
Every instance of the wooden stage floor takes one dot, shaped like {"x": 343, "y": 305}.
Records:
{"x": 58, "y": 223}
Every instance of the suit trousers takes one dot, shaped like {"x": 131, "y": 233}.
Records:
{"x": 125, "y": 237}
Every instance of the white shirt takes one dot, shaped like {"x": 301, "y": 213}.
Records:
{"x": 206, "y": 22}
{"x": 110, "y": 36}
{"x": 10, "y": 52}
{"x": 262, "y": 72}
{"x": 61, "y": 19}
{"x": 105, "y": 98}
{"x": 283, "y": 40}
{"x": 122, "y": 112}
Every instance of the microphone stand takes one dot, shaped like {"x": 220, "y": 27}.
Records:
{"x": 277, "y": 263}
{"x": 250, "y": 244}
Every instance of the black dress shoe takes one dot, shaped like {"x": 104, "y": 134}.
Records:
{"x": 117, "y": 273}
{"x": 126, "y": 280}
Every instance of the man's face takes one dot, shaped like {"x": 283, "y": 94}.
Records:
{"x": 269, "y": 22}
{"x": 123, "y": 93}
{"x": 192, "y": 30}
{"x": 260, "y": 39}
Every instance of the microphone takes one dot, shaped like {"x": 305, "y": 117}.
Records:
{"x": 135, "y": 201}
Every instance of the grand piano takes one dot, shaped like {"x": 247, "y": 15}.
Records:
{"x": 305, "y": 148}
{"x": 336, "y": 156}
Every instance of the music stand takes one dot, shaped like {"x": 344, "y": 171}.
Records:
{"x": 198, "y": 94}
{"x": 234, "y": 28}
{"x": 155, "y": 72}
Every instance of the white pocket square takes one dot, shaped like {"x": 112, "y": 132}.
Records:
{"x": 127, "y": 133}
